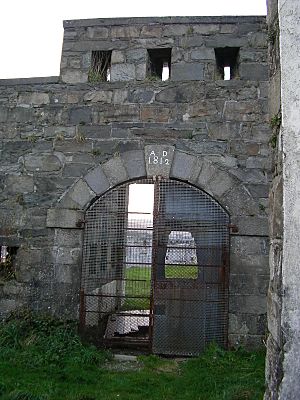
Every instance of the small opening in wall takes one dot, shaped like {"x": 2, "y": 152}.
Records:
{"x": 100, "y": 66}
{"x": 159, "y": 64}
{"x": 226, "y": 73}
{"x": 227, "y": 62}
{"x": 7, "y": 262}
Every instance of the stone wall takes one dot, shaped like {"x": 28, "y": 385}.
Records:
{"x": 283, "y": 361}
{"x": 64, "y": 141}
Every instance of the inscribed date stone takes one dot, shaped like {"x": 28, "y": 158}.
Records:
{"x": 158, "y": 160}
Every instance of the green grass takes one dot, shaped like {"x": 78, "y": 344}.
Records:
{"x": 138, "y": 283}
{"x": 44, "y": 359}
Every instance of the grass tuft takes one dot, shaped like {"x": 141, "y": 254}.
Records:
{"x": 42, "y": 358}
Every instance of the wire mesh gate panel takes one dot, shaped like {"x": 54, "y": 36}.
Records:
{"x": 156, "y": 277}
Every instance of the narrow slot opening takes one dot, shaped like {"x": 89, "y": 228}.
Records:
{"x": 227, "y": 73}
{"x": 100, "y": 66}
{"x": 227, "y": 62}
{"x": 159, "y": 64}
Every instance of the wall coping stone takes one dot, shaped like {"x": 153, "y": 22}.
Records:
{"x": 165, "y": 20}
{"x": 30, "y": 81}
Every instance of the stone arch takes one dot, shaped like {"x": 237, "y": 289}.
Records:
{"x": 200, "y": 171}
{"x": 207, "y": 174}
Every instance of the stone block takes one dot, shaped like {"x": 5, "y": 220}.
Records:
{"x": 134, "y": 163}
{"x": 33, "y": 99}
{"x": 251, "y": 304}
{"x": 42, "y": 162}
{"x": 206, "y": 29}
{"x": 3, "y": 114}
{"x": 115, "y": 171}
{"x": 97, "y": 32}
{"x": 259, "y": 190}
{"x": 264, "y": 163}
{"x": 223, "y": 130}
{"x": 191, "y": 41}
{"x": 241, "y": 202}
{"x": 74, "y": 145}
{"x": 74, "y": 76}
{"x": 254, "y": 71}
{"x": 206, "y": 173}
{"x": 155, "y": 114}
{"x": 184, "y": 93}
{"x": 80, "y": 193}
{"x": 118, "y": 57}
{"x": 125, "y": 31}
{"x": 58, "y": 132}
{"x": 154, "y": 31}
{"x": 248, "y": 284}
{"x": 63, "y": 273}
{"x": 220, "y": 183}
{"x": 141, "y": 96}
{"x": 258, "y": 39}
{"x": 134, "y": 56}
{"x": 201, "y": 108}
{"x": 97, "y": 180}
{"x": 275, "y": 98}
{"x": 9, "y": 305}
{"x": 175, "y": 30}
{"x": 226, "y": 41}
{"x": 80, "y": 115}
{"x": 185, "y": 167}
{"x": 159, "y": 159}
{"x": 228, "y": 28}
{"x": 66, "y": 256}
{"x": 187, "y": 72}
{"x": 20, "y": 184}
{"x": 203, "y": 54}
{"x": 122, "y": 72}
{"x": 254, "y": 225}
{"x": 68, "y": 237}
{"x": 140, "y": 71}
{"x": 276, "y": 208}
{"x": 241, "y": 110}
{"x": 75, "y": 170}
{"x": 249, "y": 342}
{"x": 120, "y": 96}
{"x": 242, "y": 324}
{"x": 98, "y": 96}
{"x": 64, "y": 218}
{"x": 21, "y": 114}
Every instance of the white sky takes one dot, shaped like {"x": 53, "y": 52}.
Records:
{"x": 31, "y": 31}
{"x": 141, "y": 198}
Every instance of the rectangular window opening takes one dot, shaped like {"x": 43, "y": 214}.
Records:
{"x": 227, "y": 60}
{"x": 100, "y": 66}
{"x": 159, "y": 64}
{"x": 7, "y": 262}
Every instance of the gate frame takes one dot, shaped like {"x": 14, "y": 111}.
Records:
{"x": 67, "y": 216}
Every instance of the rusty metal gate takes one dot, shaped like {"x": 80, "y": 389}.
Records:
{"x": 156, "y": 278}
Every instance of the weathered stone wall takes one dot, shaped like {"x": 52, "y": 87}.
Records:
{"x": 274, "y": 343}
{"x": 283, "y": 361}
{"x": 65, "y": 141}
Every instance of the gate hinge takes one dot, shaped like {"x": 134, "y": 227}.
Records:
{"x": 80, "y": 223}
{"x": 233, "y": 228}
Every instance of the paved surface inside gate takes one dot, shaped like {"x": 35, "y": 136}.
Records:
{"x": 127, "y": 323}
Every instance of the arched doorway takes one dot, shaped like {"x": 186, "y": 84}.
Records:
{"x": 155, "y": 267}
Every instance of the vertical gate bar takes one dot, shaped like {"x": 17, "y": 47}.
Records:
{"x": 225, "y": 262}
{"x": 154, "y": 257}
{"x": 82, "y": 310}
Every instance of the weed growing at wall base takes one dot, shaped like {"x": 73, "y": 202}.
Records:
{"x": 43, "y": 359}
